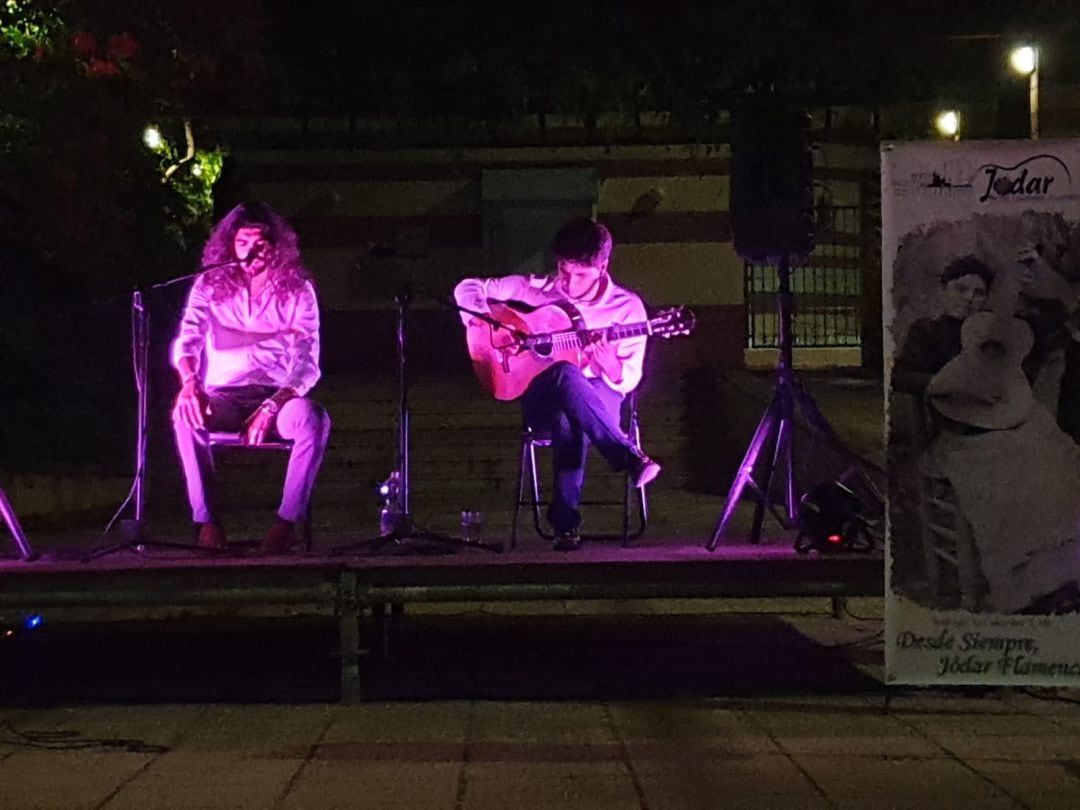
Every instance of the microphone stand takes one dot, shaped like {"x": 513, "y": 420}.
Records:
{"x": 133, "y": 529}
{"x": 400, "y": 527}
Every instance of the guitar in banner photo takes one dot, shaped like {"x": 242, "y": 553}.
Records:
{"x": 984, "y": 386}
{"x": 521, "y": 341}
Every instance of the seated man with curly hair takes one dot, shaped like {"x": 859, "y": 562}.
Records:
{"x": 247, "y": 352}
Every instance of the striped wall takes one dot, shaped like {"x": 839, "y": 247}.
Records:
{"x": 422, "y": 211}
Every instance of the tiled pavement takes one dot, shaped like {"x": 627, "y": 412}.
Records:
{"x": 867, "y": 749}
{"x": 740, "y": 745}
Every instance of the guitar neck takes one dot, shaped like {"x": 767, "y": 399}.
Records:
{"x": 620, "y": 332}
{"x": 614, "y": 333}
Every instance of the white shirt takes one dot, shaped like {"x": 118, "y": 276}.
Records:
{"x": 251, "y": 341}
{"x": 615, "y": 305}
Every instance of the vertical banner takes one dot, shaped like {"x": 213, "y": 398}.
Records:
{"x": 981, "y": 264}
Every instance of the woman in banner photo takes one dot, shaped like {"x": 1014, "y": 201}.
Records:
{"x": 985, "y": 370}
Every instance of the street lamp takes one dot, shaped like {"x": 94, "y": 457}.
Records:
{"x": 947, "y": 124}
{"x": 1024, "y": 59}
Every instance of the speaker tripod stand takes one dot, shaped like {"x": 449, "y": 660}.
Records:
{"x": 771, "y": 449}
{"x": 397, "y": 527}
{"x": 17, "y": 534}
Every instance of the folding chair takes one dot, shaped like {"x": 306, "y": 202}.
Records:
{"x": 529, "y": 492}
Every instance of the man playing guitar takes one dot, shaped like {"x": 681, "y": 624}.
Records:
{"x": 577, "y": 403}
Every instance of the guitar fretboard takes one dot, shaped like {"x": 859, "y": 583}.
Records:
{"x": 574, "y": 340}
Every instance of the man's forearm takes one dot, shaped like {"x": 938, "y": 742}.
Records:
{"x": 272, "y": 404}
{"x": 188, "y": 369}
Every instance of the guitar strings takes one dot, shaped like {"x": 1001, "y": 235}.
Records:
{"x": 573, "y": 340}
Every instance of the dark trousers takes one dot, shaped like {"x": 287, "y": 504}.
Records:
{"x": 575, "y": 411}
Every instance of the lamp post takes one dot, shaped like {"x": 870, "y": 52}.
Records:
{"x": 1024, "y": 59}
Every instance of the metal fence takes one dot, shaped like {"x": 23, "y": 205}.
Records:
{"x": 827, "y": 289}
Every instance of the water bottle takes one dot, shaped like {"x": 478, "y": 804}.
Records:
{"x": 387, "y": 520}
{"x": 472, "y": 525}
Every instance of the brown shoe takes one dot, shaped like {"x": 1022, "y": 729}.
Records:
{"x": 280, "y": 538}
{"x": 211, "y": 537}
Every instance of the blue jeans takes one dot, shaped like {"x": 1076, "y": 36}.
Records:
{"x": 575, "y": 411}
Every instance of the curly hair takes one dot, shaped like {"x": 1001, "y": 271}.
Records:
{"x": 287, "y": 274}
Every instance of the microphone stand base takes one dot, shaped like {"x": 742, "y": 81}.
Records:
{"x": 132, "y": 530}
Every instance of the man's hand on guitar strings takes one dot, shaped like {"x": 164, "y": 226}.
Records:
{"x": 603, "y": 357}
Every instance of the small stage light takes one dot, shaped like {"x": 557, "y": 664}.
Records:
{"x": 830, "y": 520}
{"x": 31, "y": 622}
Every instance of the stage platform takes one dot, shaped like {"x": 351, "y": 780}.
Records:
{"x": 466, "y": 456}
{"x": 356, "y": 587}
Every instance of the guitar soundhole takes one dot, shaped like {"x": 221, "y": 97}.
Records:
{"x": 543, "y": 349}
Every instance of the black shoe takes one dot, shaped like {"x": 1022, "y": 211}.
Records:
{"x": 643, "y": 470}
{"x": 567, "y": 541}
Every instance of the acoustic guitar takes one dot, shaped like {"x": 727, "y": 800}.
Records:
{"x": 994, "y": 344}
{"x": 521, "y": 341}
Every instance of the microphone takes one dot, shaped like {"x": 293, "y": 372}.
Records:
{"x": 253, "y": 254}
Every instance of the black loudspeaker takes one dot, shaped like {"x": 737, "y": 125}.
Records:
{"x": 772, "y": 181}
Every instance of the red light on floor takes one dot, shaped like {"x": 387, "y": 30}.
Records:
{"x": 835, "y": 538}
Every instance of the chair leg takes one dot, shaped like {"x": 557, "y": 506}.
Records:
{"x": 308, "y": 535}
{"x": 534, "y": 479}
{"x": 641, "y": 500}
{"x": 522, "y": 461}
{"x": 643, "y": 512}
{"x": 628, "y": 485}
